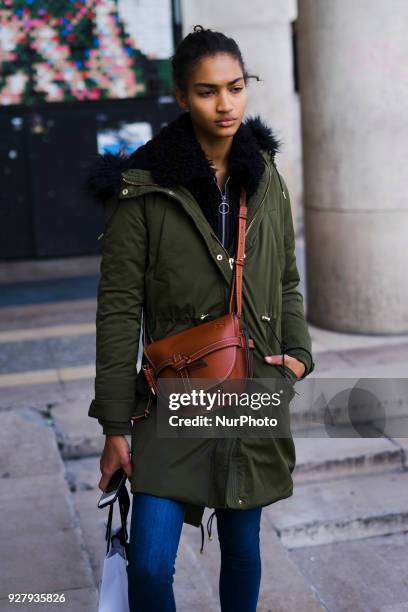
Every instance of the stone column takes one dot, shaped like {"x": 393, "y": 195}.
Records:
{"x": 354, "y": 113}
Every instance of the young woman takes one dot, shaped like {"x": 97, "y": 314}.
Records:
{"x": 167, "y": 252}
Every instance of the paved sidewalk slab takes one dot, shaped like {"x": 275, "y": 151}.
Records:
{"x": 93, "y": 525}
{"x": 325, "y": 340}
{"x": 36, "y": 355}
{"x": 27, "y": 446}
{"x": 40, "y": 291}
{"x": 39, "y": 396}
{"x": 36, "y": 316}
{"x": 388, "y": 353}
{"x": 388, "y": 369}
{"x": 53, "y": 267}
{"x": 83, "y": 473}
{"x": 76, "y": 600}
{"x": 78, "y": 434}
{"x": 40, "y": 540}
{"x": 363, "y": 575}
{"x": 395, "y": 429}
{"x": 343, "y": 509}
{"x": 318, "y": 458}
{"x": 399, "y": 607}
{"x": 75, "y": 390}
{"x": 283, "y": 587}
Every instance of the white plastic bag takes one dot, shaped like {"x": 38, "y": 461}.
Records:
{"x": 113, "y": 594}
{"x": 113, "y": 589}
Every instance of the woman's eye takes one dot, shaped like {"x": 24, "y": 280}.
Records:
{"x": 205, "y": 94}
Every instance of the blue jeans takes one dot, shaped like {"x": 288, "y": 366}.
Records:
{"x": 155, "y": 530}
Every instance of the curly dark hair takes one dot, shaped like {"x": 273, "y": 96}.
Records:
{"x": 198, "y": 44}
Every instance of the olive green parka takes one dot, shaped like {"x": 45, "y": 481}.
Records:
{"x": 161, "y": 258}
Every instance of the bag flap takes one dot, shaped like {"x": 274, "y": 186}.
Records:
{"x": 201, "y": 340}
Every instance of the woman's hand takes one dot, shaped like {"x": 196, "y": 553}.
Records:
{"x": 115, "y": 454}
{"x": 291, "y": 362}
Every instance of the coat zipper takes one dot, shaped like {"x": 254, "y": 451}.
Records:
{"x": 223, "y": 203}
{"x": 230, "y": 259}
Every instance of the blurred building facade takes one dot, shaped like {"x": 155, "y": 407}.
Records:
{"x": 90, "y": 77}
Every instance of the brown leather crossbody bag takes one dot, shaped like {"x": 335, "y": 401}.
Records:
{"x": 211, "y": 353}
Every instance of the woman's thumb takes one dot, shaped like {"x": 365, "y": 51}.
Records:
{"x": 127, "y": 465}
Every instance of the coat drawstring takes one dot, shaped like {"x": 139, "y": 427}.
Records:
{"x": 202, "y": 537}
{"x": 209, "y": 522}
{"x": 284, "y": 348}
{"x": 209, "y": 528}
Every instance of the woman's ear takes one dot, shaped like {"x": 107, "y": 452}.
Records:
{"x": 181, "y": 99}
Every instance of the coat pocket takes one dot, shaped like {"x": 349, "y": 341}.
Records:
{"x": 274, "y": 345}
{"x": 288, "y": 373}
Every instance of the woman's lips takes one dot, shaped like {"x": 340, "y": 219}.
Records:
{"x": 225, "y": 122}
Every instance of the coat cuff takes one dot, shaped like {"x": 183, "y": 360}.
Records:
{"x": 115, "y": 428}
{"x": 112, "y": 410}
{"x": 304, "y": 356}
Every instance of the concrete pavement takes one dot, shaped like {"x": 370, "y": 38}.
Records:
{"x": 339, "y": 543}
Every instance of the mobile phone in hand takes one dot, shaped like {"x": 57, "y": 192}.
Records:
{"x": 116, "y": 482}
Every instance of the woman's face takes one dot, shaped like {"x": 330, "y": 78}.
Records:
{"x": 216, "y": 90}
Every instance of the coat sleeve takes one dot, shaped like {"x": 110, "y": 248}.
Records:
{"x": 118, "y": 315}
{"x": 296, "y": 339}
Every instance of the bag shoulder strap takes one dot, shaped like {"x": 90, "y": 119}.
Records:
{"x": 236, "y": 288}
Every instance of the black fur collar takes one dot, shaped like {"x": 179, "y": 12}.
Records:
{"x": 174, "y": 156}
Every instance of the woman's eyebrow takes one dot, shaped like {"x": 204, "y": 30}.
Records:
{"x": 214, "y": 85}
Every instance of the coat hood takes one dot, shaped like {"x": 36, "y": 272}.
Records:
{"x": 174, "y": 156}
